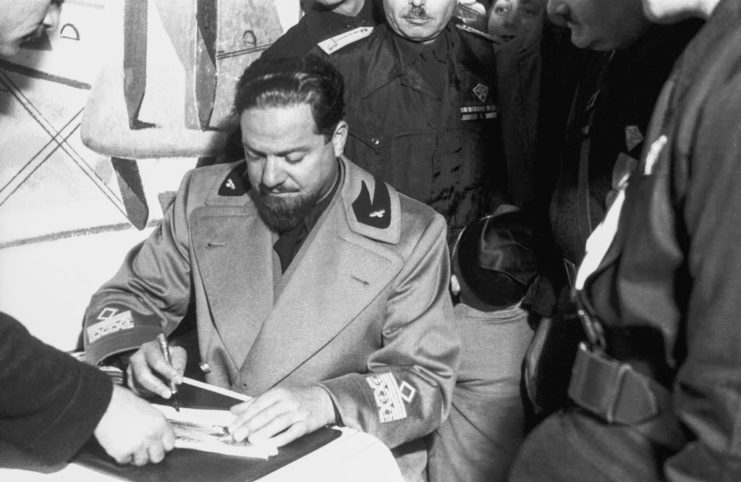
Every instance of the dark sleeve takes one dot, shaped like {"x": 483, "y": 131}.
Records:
{"x": 707, "y": 393}
{"x": 50, "y": 403}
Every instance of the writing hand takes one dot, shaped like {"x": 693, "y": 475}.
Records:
{"x": 132, "y": 431}
{"x": 282, "y": 415}
{"x": 148, "y": 365}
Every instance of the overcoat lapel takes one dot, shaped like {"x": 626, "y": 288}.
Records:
{"x": 334, "y": 277}
{"x": 234, "y": 255}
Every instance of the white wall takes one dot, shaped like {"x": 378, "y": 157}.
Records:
{"x": 62, "y": 230}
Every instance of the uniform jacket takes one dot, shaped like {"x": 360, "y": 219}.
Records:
{"x": 319, "y": 24}
{"x": 363, "y": 308}
{"x": 538, "y": 71}
{"x": 441, "y": 151}
{"x": 671, "y": 279}
{"x": 315, "y": 26}
{"x": 49, "y": 402}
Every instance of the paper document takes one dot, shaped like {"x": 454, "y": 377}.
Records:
{"x": 205, "y": 430}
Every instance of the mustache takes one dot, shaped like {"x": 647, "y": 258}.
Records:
{"x": 417, "y": 12}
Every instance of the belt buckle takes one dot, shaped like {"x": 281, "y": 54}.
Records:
{"x": 595, "y": 365}
{"x": 622, "y": 370}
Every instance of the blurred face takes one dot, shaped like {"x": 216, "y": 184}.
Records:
{"x": 291, "y": 166}
{"x": 418, "y": 20}
{"x": 507, "y": 18}
{"x": 345, "y": 7}
{"x": 24, "y": 20}
{"x": 600, "y": 24}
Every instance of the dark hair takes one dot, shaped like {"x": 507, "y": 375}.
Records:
{"x": 287, "y": 82}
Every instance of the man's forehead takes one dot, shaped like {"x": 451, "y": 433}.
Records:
{"x": 279, "y": 122}
{"x": 293, "y": 113}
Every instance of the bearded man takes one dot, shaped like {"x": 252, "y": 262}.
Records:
{"x": 318, "y": 289}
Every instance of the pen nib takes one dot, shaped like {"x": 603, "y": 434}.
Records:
{"x": 176, "y": 405}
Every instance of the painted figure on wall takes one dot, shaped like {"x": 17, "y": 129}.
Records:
{"x": 166, "y": 89}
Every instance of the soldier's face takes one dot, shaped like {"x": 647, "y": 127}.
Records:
{"x": 418, "y": 20}
{"x": 507, "y": 18}
{"x": 291, "y": 166}
{"x": 25, "y": 20}
{"x": 600, "y": 24}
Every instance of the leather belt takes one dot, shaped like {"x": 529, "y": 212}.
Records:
{"x": 613, "y": 390}
{"x": 616, "y": 393}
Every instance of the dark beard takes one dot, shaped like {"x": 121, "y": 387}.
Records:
{"x": 281, "y": 214}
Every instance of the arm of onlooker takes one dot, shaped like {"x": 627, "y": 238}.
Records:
{"x": 707, "y": 391}
{"x": 51, "y": 404}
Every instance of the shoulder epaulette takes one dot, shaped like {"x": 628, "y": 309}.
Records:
{"x": 465, "y": 28}
{"x": 335, "y": 43}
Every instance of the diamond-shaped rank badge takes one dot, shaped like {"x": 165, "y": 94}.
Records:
{"x": 407, "y": 391}
{"x": 481, "y": 91}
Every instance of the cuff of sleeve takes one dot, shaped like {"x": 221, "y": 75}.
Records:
{"x": 75, "y": 424}
{"x": 337, "y": 415}
{"x": 118, "y": 329}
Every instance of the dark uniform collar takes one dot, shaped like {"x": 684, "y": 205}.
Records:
{"x": 385, "y": 68}
{"x": 412, "y": 51}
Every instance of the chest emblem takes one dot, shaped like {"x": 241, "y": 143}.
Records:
{"x": 481, "y": 91}
{"x": 633, "y": 137}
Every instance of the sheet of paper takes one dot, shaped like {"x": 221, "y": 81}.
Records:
{"x": 205, "y": 430}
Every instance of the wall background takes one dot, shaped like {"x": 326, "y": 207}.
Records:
{"x": 64, "y": 227}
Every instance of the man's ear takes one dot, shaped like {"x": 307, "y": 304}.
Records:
{"x": 339, "y": 137}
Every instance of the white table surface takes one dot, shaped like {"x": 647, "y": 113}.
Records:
{"x": 354, "y": 456}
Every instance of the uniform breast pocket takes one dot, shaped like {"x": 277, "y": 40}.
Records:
{"x": 471, "y": 154}
{"x": 403, "y": 158}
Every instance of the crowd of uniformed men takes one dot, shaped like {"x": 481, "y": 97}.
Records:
{"x": 497, "y": 235}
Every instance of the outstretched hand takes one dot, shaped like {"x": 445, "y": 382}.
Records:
{"x": 132, "y": 431}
